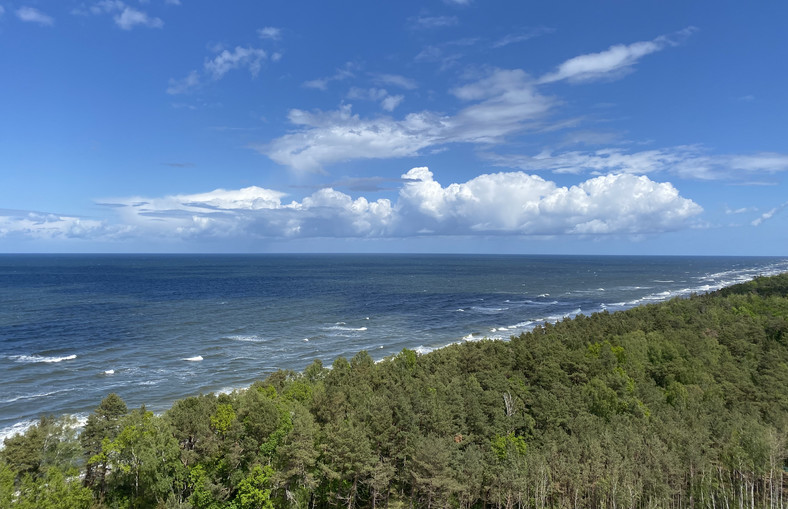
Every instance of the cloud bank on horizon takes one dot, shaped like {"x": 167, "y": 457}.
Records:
{"x": 454, "y": 120}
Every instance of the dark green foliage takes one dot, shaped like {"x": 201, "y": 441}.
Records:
{"x": 680, "y": 404}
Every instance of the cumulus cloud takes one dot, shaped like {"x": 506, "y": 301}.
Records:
{"x": 240, "y": 57}
{"x": 33, "y": 15}
{"x": 614, "y": 62}
{"x": 507, "y": 203}
{"x": 502, "y": 103}
{"x": 685, "y": 161}
{"x": 527, "y": 204}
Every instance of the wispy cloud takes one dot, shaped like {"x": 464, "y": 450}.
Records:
{"x": 687, "y": 161}
{"x": 502, "y": 103}
{"x": 430, "y": 22}
{"x": 272, "y": 33}
{"x": 341, "y": 74}
{"x": 43, "y": 225}
{"x": 614, "y": 62}
{"x": 33, "y": 15}
{"x": 770, "y": 214}
{"x": 190, "y": 82}
{"x": 521, "y": 36}
{"x": 129, "y": 18}
{"x": 124, "y": 16}
{"x": 387, "y": 102}
{"x": 395, "y": 80}
{"x": 249, "y": 58}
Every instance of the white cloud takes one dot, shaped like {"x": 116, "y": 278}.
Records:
{"x": 184, "y": 85}
{"x": 395, "y": 80}
{"x": 42, "y": 225}
{"x": 526, "y": 204}
{"x": 503, "y": 103}
{"x": 390, "y": 102}
{"x": 511, "y": 203}
{"x": 345, "y": 72}
{"x": 614, "y": 62}
{"x": 125, "y": 17}
{"x": 33, "y": 15}
{"x": 686, "y": 161}
{"x": 770, "y": 214}
{"x": 521, "y": 36}
{"x": 221, "y": 64}
{"x": 330, "y": 137}
{"x": 273, "y": 33}
{"x": 427, "y": 22}
{"x": 129, "y": 18}
{"x": 172, "y": 2}
{"x": 387, "y": 102}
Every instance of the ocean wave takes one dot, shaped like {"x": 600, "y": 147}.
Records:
{"x": 488, "y": 310}
{"x": 20, "y": 428}
{"x": 15, "y": 429}
{"x": 343, "y": 328}
{"x": 196, "y": 358}
{"x": 246, "y": 339}
{"x": 24, "y": 397}
{"x": 30, "y": 359}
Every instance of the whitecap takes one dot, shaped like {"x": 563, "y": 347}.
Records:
{"x": 421, "y": 349}
{"x": 247, "y": 339}
{"x": 109, "y": 372}
{"x": 196, "y": 358}
{"x": 39, "y": 358}
{"x": 15, "y": 429}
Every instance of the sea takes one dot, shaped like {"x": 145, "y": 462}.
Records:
{"x": 156, "y": 328}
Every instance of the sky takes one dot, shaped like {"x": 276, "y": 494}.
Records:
{"x": 447, "y": 126}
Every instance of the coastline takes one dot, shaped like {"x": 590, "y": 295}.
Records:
{"x": 501, "y": 331}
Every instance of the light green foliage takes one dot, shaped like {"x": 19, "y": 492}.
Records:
{"x": 223, "y": 418}
{"x": 254, "y": 491}
{"x": 503, "y": 446}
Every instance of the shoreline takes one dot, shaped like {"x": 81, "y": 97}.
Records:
{"x": 725, "y": 279}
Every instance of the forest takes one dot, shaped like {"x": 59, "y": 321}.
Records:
{"x": 671, "y": 405}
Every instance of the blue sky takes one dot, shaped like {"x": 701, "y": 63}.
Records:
{"x": 652, "y": 127}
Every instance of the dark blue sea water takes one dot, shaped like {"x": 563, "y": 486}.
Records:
{"x": 156, "y": 328}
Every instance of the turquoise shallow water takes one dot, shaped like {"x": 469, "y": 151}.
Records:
{"x": 156, "y": 328}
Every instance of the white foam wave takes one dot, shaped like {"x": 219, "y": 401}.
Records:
{"x": 15, "y": 429}
{"x": 196, "y": 358}
{"x": 421, "y": 349}
{"x": 24, "y": 397}
{"x": 247, "y": 338}
{"x": 488, "y": 310}
{"x": 109, "y": 372}
{"x": 29, "y": 359}
{"x": 347, "y": 329}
